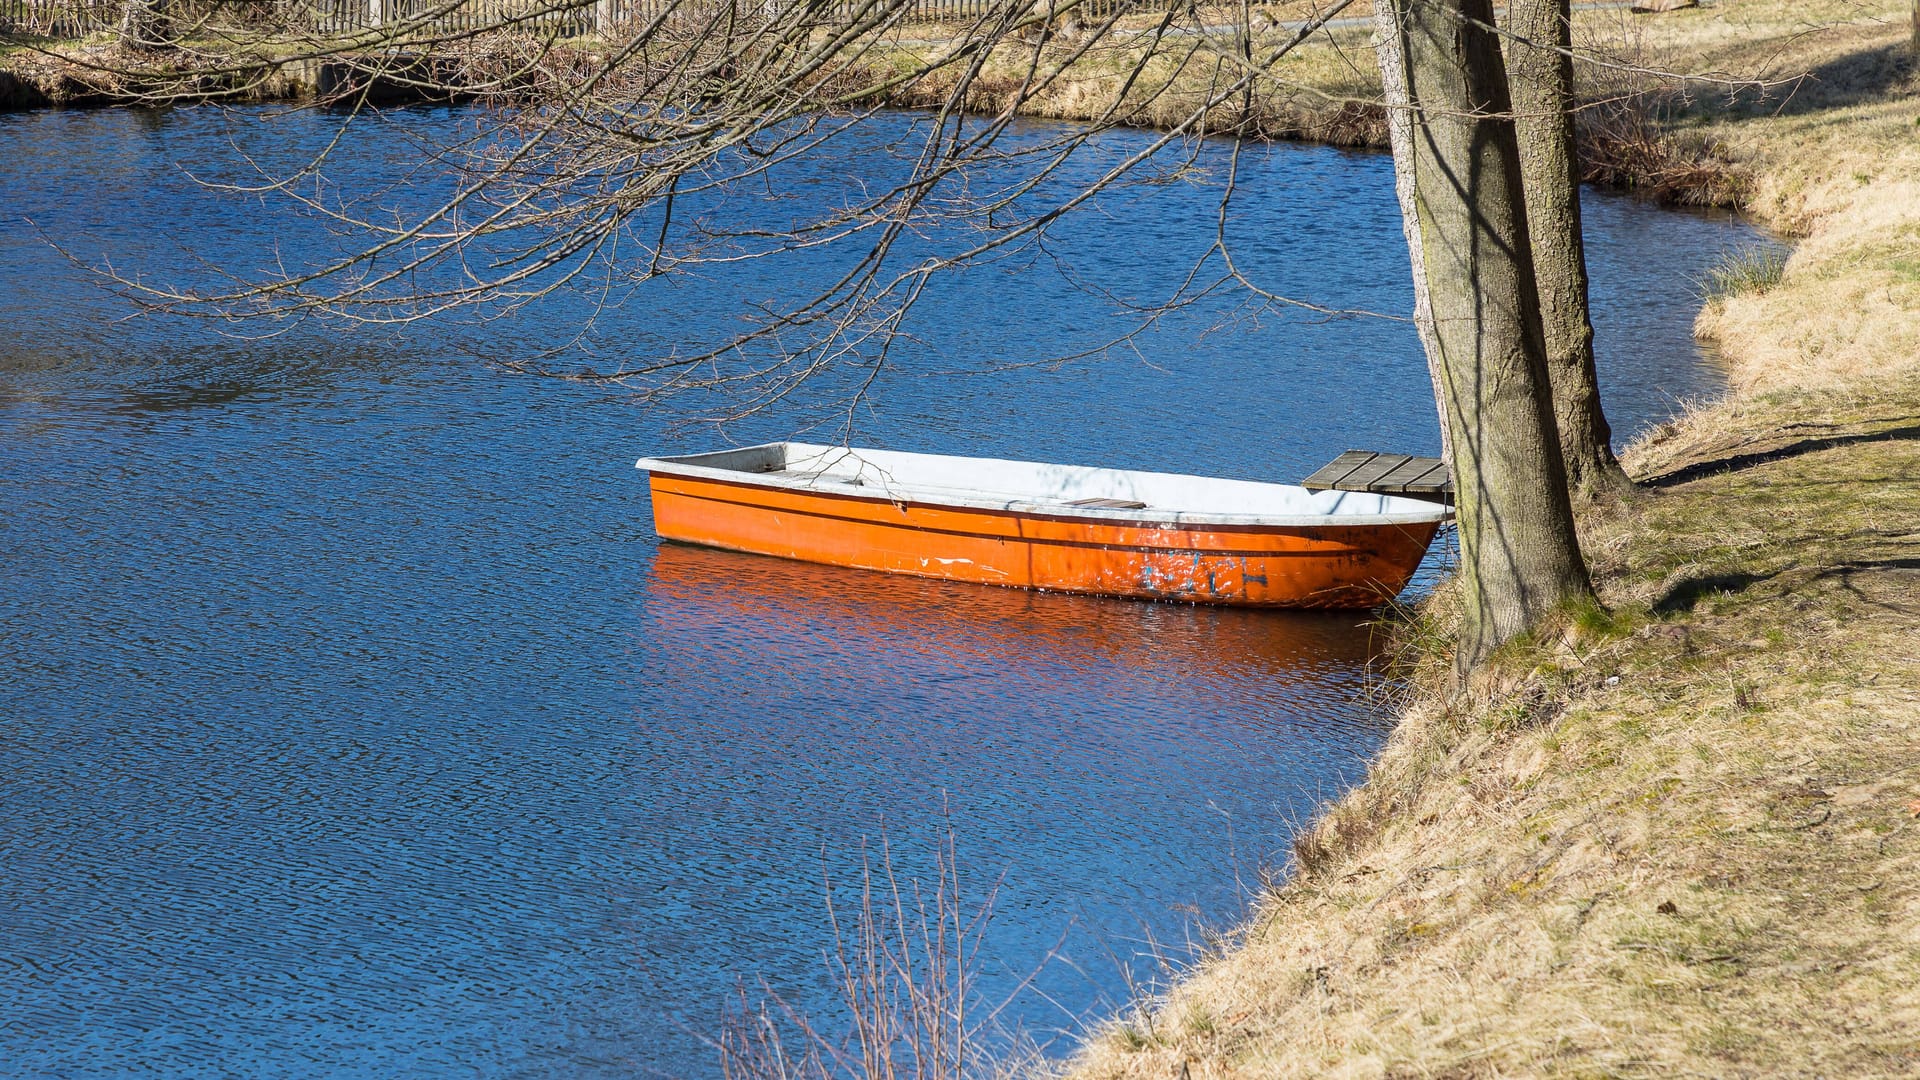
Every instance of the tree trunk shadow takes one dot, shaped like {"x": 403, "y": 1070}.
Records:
{"x": 1684, "y": 595}
{"x": 1736, "y": 462}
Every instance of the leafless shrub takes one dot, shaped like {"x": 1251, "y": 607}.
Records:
{"x": 903, "y": 959}
{"x": 1625, "y": 144}
{"x": 1625, "y": 130}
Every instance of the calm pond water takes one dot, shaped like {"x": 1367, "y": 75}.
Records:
{"x": 356, "y": 724}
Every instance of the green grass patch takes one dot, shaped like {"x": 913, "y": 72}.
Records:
{"x": 1747, "y": 272}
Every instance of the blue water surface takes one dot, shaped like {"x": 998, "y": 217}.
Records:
{"x": 357, "y": 725}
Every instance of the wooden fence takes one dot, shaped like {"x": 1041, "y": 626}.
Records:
{"x": 79, "y": 18}
{"x": 596, "y": 16}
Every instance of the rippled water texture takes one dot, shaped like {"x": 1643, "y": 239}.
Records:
{"x": 356, "y": 725}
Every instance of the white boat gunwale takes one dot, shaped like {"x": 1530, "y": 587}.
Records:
{"x": 1401, "y": 511}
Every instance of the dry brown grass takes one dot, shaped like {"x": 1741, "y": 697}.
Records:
{"x": 1845, "y": 307}
{"x": 1638, "y": 123}
{"x": 1834, "y": 161}
{"x": 1678, "y": 837}
{"x": 1325, "y": 92}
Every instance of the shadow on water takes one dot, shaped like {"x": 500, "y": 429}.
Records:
{"x": 155, "y": 378}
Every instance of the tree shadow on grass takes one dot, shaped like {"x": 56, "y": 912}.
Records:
{"x": 1736, "y": 462}
{"x": 1846, "y": 571}
{"x": 1684, "y": 595}
{"x": 1867, "y": 75}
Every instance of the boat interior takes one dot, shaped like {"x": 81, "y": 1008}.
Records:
{"x": 1032, "y": 486}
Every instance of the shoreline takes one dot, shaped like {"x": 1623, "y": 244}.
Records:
{"x": 1678, "y": 835}
{"x": 1318, "y": 95}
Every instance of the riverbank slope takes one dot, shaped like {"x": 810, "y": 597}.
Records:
{"x": 1679, "y": 837}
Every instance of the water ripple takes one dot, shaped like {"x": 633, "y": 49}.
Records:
{"x": 357, "y": 726}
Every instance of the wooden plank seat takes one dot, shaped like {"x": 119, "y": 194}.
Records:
{"x": 1385, "y": 474}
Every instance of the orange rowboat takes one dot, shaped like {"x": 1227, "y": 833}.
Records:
{"x": 1109, "y": 532}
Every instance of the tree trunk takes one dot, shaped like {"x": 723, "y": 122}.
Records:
{"x": 1393, "y": 79}
{"x": 1519, "y": 555}
{"x": 1540, "y": 78}
{"x": 143, "y": 24}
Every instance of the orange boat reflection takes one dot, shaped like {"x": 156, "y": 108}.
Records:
{"x": 707, "y": 595}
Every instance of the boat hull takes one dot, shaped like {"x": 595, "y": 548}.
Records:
{"x": 1284, "y": 566}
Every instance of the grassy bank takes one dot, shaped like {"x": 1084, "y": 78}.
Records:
{"x": 1678, "y": 838}
{"x": 1327, "y": 88}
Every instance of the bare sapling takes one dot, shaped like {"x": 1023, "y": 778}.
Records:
{"x": 904, "y": 961}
